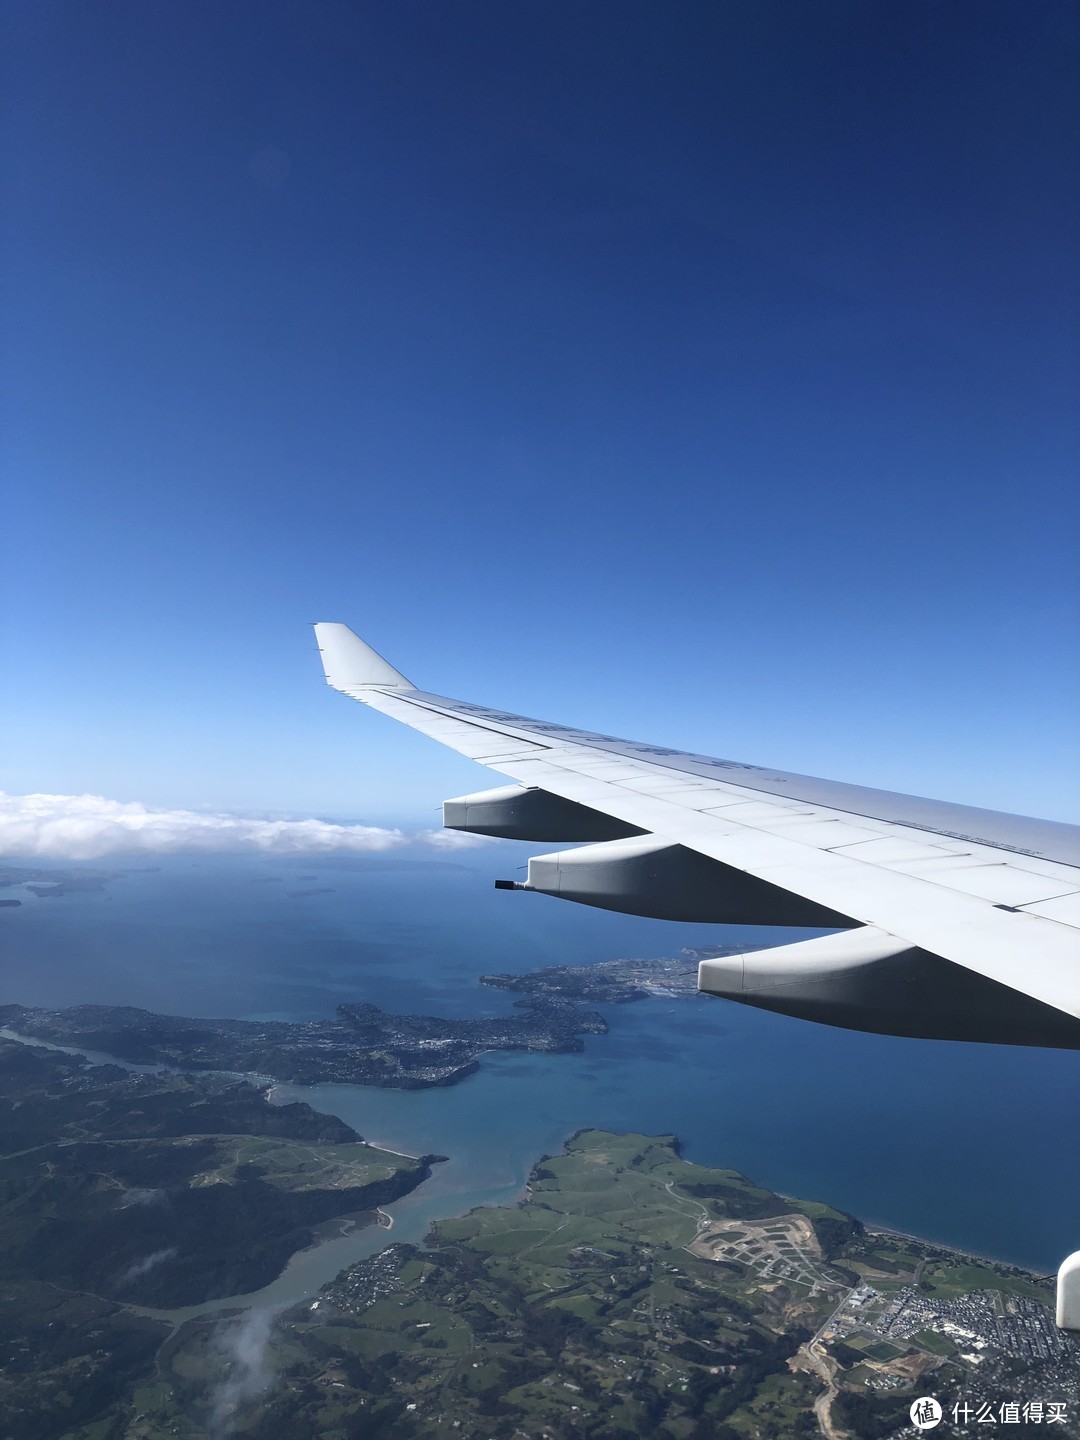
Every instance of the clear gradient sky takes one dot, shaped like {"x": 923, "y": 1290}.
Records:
{"x": 700, "y": 372}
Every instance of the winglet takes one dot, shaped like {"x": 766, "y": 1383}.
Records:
{"x": 350, "y": 664}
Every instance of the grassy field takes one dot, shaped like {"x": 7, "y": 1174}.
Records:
{"x": 582, "y": 1303}
{"x": 292, "y": 1166}
{"x": 949, "y": 1280}
{"x": 578, "y": 1312}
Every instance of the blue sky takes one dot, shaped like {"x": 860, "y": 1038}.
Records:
{"x": 701, "y": 373}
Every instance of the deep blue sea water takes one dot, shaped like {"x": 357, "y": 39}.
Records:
{"x": 976, "y": 1146}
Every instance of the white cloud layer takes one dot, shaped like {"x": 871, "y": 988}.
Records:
{"x": 86, "y": 827}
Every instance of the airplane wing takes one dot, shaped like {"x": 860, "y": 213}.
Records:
{"x": 948, "y": 921}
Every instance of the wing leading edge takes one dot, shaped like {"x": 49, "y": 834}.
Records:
{"x": 956, "y": 922}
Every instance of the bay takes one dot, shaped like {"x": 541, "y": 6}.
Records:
{"x": 969, "y": 1145}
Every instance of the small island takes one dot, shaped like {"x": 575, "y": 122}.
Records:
{"x": 51, "y": 883}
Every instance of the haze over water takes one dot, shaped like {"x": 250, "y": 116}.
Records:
{"x": 971, "y": 1145}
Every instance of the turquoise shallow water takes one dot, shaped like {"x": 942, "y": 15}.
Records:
{"x": 972, "y": 1145}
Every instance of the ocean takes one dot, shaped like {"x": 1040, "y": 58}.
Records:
{"x": 973, "y": 1146}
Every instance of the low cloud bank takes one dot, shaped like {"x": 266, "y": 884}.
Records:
{"x": 86, "y": 827}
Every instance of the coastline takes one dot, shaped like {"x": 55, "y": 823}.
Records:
{"x": 878, "y": 1229}
{"x": 270, "y": 1088}
{"x": 460, "y": 1191}
{"x": 378, "y": 1145}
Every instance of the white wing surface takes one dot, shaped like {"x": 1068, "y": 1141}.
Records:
{"x": 956, "y": 922}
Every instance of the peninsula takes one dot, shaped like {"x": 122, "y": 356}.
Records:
{"x": 363, "y": 1046}
{"x": 614, "y": 982}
